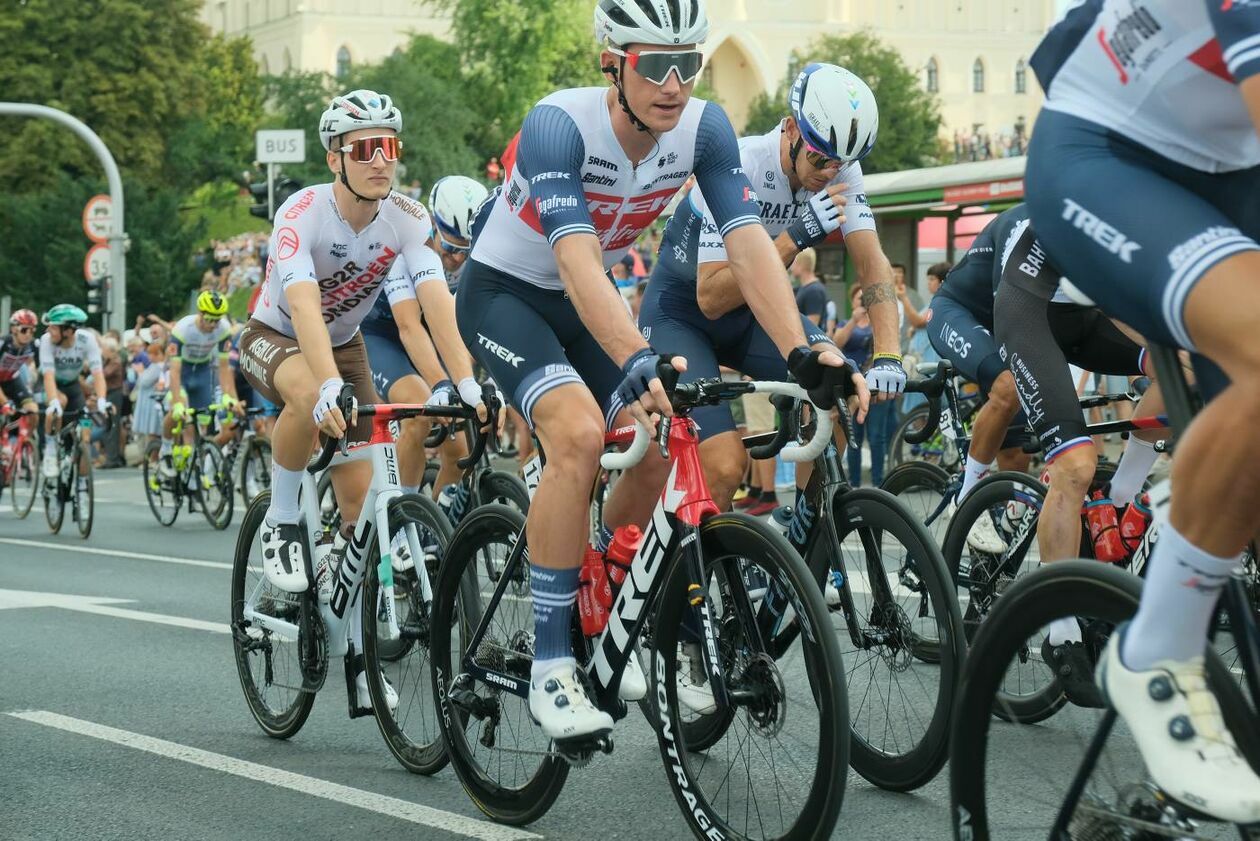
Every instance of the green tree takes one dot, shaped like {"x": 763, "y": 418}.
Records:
{"x": 515, "y": 52}
{"x": 909, "y": 117}
{"x": 295, "y": 100}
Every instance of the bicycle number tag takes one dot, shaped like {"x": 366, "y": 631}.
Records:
{"x": 947, "y": 423}
{"x": 532, "y": 473}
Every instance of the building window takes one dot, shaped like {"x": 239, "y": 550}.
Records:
{"x": 977, "y": 76}
{"x": 343, "y": 63}
{"x": 933, "y": 76}
{"x": 1021, "y": 77}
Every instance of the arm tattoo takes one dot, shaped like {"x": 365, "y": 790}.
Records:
{"x": 880, "y": 292}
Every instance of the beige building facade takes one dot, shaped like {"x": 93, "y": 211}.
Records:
{"x": 972, "y": 53}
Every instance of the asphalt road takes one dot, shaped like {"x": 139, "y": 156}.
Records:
{"x": 121, "y": 716}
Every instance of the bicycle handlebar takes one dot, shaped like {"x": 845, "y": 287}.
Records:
{"x": 932, "y": 388}
{"x": 788, "y": 428}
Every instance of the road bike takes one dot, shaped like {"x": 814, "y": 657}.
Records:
{"x": 1107, "y": 793}
{"x": 700, "y": 578}
{"x": 74, "y": 485}
{"x": 19, "y": 462}
{"x": 371, "y": 613}
{"x": 202, "y": 479}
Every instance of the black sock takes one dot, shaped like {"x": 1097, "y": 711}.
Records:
{"x": 754, "y": 490}
{"x": 769, "y": 496}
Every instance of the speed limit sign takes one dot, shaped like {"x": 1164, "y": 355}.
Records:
{"x": 96, "y": 263}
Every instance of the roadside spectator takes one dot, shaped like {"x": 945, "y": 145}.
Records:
{"x": 637, "y": 301}
{"x": 855, "y": 337}
{"x": 115, "y": 376}
{"x": 811, "y": 295}
{"x": 146, "y": 418}
{"x": 493, "y": 171}
{"x": 920, "y": 348}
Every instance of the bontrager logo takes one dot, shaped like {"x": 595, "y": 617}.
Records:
{"x": 1099, "y": 231}
{"x": 500, "y": 351}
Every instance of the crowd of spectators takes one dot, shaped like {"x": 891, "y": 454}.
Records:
{"x": 232, "y": 264}
{"x": 979, "y": 145}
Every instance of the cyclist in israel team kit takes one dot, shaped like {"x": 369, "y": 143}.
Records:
{"x": 406, "y": 367}
{"x": 808, "y": 183}
{"x": 1143, "y": 178}
{"x": 590, "y": 169}
{"x": 16, "y": 350}
{"x": 200, "y": 344}
{"x": 64, "y": 350}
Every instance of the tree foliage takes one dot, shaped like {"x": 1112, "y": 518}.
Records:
{"x": 909, "y": 117}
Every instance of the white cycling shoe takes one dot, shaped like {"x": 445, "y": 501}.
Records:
{"x": 983, "y": 537}
{"x": 691, "y": 683}
{"x": 633, "y": 682}
{"x": 559, "y": 703}
{"x": 49, "y": 464}
{"x": 400, "y": 553}
{"x": 283, "y": 563}
{"x": 365, "y": 698}
{"x": 1178, "y": 727}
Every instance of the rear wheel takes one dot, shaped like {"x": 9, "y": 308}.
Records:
{"x": 505, "y": 489}
{"x": 163, "y": 494}
{"x": 411, "y": 729}
{"x": 25, "y": 479}
{"x": 55, "y": 497}
{"x": 255, "y": 469}
{"x": 922, "y": 488}
{"x": 268, "y": 659}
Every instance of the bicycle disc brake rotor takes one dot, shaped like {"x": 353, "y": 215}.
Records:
{"x": 768, "y": 708}
{"x": 891, "y": 632}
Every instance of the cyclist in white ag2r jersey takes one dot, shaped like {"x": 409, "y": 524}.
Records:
{"x": 332, "y": 249}
{"x": 588, "y": 172}
{"x": 1144, "y": 187}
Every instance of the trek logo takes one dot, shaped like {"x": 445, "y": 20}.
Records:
{"x": 618, "y": 220}
{"x": 1099, "y": 231}
{"x": 1130, "y": 33}
{"x": 547, "y": 176}
{"x": 591, "y": 160}
{"x": 500, "y": 351}
{"x": 596, "y": 178}
{"x": 632, "y": 600}
{"x": 955, "y": 341}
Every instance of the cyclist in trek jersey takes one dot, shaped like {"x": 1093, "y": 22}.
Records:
{"x": 1143, "y": 178}
{"x": 400, "y": 344}
{"x": 64, "y": 350}
{"x": 199, "y": 344}
{"x": 808, "y": 182}
{"x": 16, "y": 350}
{"x": 590, "y": 169}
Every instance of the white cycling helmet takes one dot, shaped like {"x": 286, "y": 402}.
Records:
{"x": 835, "y": 111}
{"x": 454, "y": 201}
{"x": 356, "y": 110}
{"x": 666, "y": 22}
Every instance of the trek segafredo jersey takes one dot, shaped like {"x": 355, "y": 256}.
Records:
{"x": 567, "y": 174}
{"x": 693, "y": 236}
{"x": 1163, "y": 73}
{"x": 312, "y": 243}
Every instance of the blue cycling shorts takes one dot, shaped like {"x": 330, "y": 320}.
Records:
{"x": 198, "y": 382}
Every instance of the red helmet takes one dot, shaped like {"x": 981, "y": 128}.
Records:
{"x": 23, "y": 318}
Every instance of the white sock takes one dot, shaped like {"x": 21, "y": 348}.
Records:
{"x": 411, "y": 489}
{"x": 285, "y": 486}
{"x": 973, "y": 473}
{"x": 1178, "y": 600}
{"x": 167, "y": 445}
{"x": 50, "y": 446}
{"x": 1135, "y": 464}
{"x": 1064, "y": 629}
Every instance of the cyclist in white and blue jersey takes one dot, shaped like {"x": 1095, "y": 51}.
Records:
{"x": 808, "y": 178}
{"x": 406, "y": 367}
{"x": 200, "y": 345}
{"x": 590, "y": 169}
{"x": 1143, "y": 184}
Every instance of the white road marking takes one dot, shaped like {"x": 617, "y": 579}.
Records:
{"x": 102, "y": 606}
{"x": 114, "y": 553}
{"x": 370, "y": 801}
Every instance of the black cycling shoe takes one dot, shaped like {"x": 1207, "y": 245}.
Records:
{"x": 1073, "y": 667}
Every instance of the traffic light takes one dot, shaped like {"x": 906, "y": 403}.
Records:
{"x": 285, "y": 188}
{"x": 93, "y": 300}
{"x": 259, "y": 192}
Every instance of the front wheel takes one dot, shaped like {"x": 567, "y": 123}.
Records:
{"x": 83, "y": 490}
{"x": 56, "y": 497}
{"x": 162, "y": 493}
{"x": 410, "y": 729}
{"x": 503, "y": 488}
{"x": 26, "y": 480}
{"x": 775, "y": 768}
{"x": 255, "y": 469}
{"x": 214, "y": 485}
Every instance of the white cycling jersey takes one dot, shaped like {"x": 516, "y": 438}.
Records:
{"x": 67, "y": 363}
{"x": 568, "y": 174}
{"x": 1163, "y": 73}
{"x": 194, "y": 346}
{"x": 312, "y": 243}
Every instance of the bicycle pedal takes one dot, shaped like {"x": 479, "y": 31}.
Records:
{"x": 579, "y": 751}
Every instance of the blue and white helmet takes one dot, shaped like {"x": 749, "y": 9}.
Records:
{"x": 666, "y": 22}
{"x": 835, "y": 111}
{"x": 355, "y": 110}
{"x": 454, "y": 201}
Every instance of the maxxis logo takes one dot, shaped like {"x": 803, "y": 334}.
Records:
{"x": 287, "y": 243}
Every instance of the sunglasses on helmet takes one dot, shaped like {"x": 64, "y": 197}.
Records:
{"x": 363, "y": 150}
{"x": 655, "y": 66}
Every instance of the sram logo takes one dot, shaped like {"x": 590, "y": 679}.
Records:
{"x": 505, "y": 682}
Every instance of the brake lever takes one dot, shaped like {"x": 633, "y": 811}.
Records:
{"x": 662, "y": 436}
{"x": 846, "y": 419}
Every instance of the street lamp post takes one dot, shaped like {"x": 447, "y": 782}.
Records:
{"x": 117, "y": 316}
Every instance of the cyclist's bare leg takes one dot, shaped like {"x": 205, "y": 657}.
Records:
{"x": 452, "y": 450}
{"x": 350, "y": 482}
{"x": 723, "y": 457}
{"x": 634, "y": 496}
{"x": 411, "y": 456}
{"x": 994, "y": 418}
{"x": 1059, "y": 527}
{"x": 1013, "y": 458}
{"x": 571, "y": 428}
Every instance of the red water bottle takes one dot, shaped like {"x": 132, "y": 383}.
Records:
{"x": 621, "y": 552}
{"x": 592, "y": 578}
{"x": 1134, "y": 522}
{"x": 1104, "y": 528}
